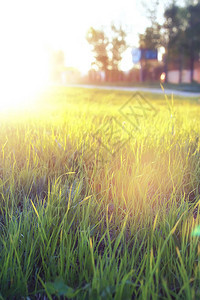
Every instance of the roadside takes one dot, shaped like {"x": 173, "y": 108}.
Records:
{"x": 154, "y": 90}
{"x": 185, "y": 87}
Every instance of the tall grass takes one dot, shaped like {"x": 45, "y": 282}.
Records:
{"x": 78, "y": 222}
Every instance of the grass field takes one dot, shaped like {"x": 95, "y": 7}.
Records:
{"x": 99, "y": 196}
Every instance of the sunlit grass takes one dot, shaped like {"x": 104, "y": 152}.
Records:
{"x": 76, "y": 220}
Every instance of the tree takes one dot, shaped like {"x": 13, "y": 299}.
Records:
{"x": 151, "y": 38}
{"x": 193, "y": 34}
{"x": 179, "y": 35}
{"x": 118, "y": 46}
{"x": 107, "y": 50}
{"x": 182, "y": 30}
{"x": 99, "y": 42}
{"x": 174, "y": 37}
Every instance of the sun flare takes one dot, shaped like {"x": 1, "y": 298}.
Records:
{"x": 22, "y": 76}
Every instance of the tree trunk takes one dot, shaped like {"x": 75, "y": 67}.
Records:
{"x": 180, "y": 65}
{"x": 191, "y": 63}
{"x": 166, "y": 68}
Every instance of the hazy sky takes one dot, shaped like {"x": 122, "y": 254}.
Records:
{"x": 31, "y": 29}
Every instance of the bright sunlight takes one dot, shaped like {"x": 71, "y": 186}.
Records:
{"x": 26, "y": 76}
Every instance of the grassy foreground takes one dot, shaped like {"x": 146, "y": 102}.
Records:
{"x": 99, "y": 195}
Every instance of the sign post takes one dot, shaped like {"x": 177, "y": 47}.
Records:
{"x": 140, "y": 55}
{"x": 136, "y": 55}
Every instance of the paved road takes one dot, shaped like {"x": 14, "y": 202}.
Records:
{"x": 135, "y": 89}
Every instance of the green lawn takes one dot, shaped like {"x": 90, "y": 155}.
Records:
{"x": 99, "y": 196}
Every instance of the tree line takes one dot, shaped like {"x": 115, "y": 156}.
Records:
{"x": 179, "y": 34}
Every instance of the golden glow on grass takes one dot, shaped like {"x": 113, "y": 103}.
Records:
{"x": 129, "y": 213}
{"x": 151, "y": 166}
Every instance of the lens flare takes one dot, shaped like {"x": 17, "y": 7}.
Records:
{"x": 162, "y": 77}
{"x": 22, "y": 76}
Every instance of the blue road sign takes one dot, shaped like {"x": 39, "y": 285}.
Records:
{"x": 149, "y": 54}
{"x": 138, "y": 54}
